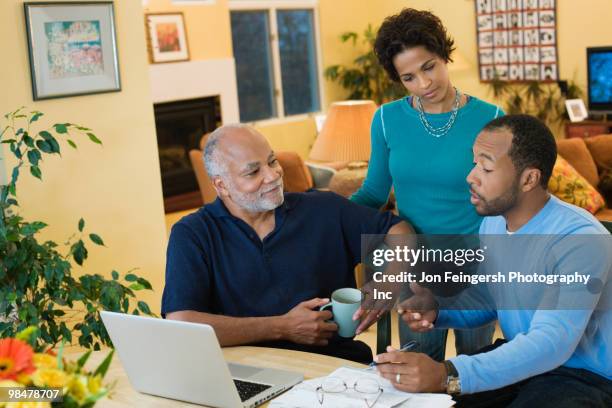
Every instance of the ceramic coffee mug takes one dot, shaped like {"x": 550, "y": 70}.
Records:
{"x": 344, "y": 303}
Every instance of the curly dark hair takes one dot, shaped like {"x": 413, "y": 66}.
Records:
{"x": 533, "y": 144}
{"x": 411, "y": 28}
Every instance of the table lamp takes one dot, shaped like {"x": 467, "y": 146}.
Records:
{"x": 345, "y": 140}
{"x": 345, "y": 136}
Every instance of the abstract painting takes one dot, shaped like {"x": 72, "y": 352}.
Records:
{"x": 167, "y": 38}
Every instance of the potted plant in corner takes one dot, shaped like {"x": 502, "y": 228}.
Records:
{"x": 366, "y": 79}
{"x": 37, "y": 285}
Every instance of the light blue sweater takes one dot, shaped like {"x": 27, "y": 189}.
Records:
{"x": 427, "y": 173}
{"x": 542, "y": 340}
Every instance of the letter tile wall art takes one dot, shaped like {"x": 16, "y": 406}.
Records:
{"x": 517, "y": 40}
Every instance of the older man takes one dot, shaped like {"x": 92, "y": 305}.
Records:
{"x": 257, "y": 263}
{"x": 555, "y": 354}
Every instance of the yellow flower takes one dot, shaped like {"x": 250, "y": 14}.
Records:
{"x": 94, "y": 384}
{"x": 77, "y": 387}
{"x": 24, "y": 379}
{"x": 30, "y": 404}
{"x": 44, "y": 360}
{"x": 49, "y": 377}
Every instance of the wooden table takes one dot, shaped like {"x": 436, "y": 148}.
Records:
{"x": 587, "y": 128}
{"x": 123, "y": 395}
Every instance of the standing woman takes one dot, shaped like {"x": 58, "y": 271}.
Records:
{"x": 422, "y": 147}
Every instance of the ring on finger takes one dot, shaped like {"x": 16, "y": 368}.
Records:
{"x": 398, "y": 378}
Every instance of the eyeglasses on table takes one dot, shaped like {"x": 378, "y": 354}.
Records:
{"x": 370, "y": 389}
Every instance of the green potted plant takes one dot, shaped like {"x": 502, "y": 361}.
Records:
{"x": 367, "y": 78}
{"x": 37, "y": 285}
{"x": 543, "y": 100}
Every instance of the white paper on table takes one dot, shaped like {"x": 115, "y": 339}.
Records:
{"x": 304, "y": 395}
{"x": 428, "y": 401}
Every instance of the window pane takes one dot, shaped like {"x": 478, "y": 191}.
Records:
{"x": 298, "y": 61}
{"x": 250, "y": 37}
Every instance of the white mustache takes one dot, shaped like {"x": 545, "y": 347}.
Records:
{"x": 277, "y": 185}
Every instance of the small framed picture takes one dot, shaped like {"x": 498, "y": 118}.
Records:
{"x": 483, "y": 6}
{"x": 500, "y": 5}
{"x": 516, "y": 72}
{"x": 485, "y": 22}
{"x": 548, "y": 54}
{"x": 532, "y": 72}
{"x": 500, "y": 38}
{"x": 500, "y": 21}
{"x": 516, "y": 20}
{"x": 514, "y": 4}
{"x": 547, "y": 18}
{"x": 485, "y": 39}
{"x": 167, "y": 38}
{"x": 532, "y": 54}
{"x": 547, "y": 36}
{"x": 501, "y": 71}
{"x": 487, "y": 73}
{"x": 516, "y": 37}
{"x": 549, "y": 72}
{"x": 516, "y": 55}
{"x": 486, "y": 56}
{"x": 530, "y": 19}
{"x": 72, "y": 48}
{"x": 501, "y": 55}
{"x": 530, "y": 37}
{"x": 576, "y": 110}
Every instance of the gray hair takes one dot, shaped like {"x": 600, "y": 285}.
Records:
{"x": 213, "y": 160}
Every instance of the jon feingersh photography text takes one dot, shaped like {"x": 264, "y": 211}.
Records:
{"x": 459, "y": 257}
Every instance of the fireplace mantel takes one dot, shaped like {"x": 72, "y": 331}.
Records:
{"x": 196, "y": 79}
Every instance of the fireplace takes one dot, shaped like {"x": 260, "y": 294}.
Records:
{"x": 180, "y": 126}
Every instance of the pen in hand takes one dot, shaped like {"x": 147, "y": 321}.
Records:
{"x": 411, "y": 345}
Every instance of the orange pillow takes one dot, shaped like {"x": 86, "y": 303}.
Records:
{"x": 577, "y": 154}
{"x": 567, "y": 184}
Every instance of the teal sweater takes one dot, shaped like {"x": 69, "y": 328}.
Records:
{"x": 427, "y": 173}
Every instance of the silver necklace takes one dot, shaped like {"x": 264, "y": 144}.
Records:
{"x": 444, "y": 129}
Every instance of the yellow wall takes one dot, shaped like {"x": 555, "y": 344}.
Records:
{"x": 337, "y": 17}
{"x": 580, "y": 24}
{"x": 208, "y": 28}
{"x": 209, "y": 36}
{"x": 116, "y": 188}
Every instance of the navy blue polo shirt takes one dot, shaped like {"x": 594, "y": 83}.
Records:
{"x": 216, "y": 263}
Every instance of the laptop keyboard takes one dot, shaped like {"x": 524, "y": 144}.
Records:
{"x": 248, "y": 390}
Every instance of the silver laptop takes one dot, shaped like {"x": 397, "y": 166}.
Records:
{"x": 183, "y": 361}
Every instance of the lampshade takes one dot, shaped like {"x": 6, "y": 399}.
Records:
{"x": 346, "y": 132}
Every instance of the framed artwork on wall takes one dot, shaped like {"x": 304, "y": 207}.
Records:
{"x": 167, "y": 38}
{"x": 517, "y": 40}
{"x": 72, "y": 48}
